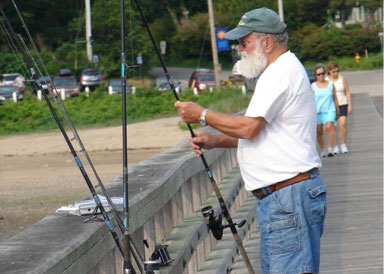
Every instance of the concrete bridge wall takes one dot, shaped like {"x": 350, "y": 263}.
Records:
{"x": 166, "y": 193}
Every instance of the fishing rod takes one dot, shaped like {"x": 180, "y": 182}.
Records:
{"x": 56, "y": 99}
{"x": 126, "y": 234}
{"x": 69, "y": 122}
{"x": 36, "y": 85}
{"x": 223, "y": 207}
{"x": 77, "y": 137}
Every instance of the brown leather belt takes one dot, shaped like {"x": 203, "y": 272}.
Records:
{"x": 260, "y": 193}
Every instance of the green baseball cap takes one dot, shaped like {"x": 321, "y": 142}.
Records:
{"x": 260, "y": 20}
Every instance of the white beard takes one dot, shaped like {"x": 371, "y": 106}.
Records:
{"x": 253, "y": 64}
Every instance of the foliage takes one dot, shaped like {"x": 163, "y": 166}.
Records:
{"x": 319, "y": 43}
{"x": 31, "y": 115}
{"x": 374, "y": 61}
{"x": 60, "y": 31}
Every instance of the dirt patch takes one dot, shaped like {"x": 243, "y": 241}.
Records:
{"x": 38, "y": 173}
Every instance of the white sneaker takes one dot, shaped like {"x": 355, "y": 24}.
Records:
{"x": 330, "y": 152}
{"x": 344, "y": 148}
{"x": 323, "y": 153}
{"x": 336, "y": 150}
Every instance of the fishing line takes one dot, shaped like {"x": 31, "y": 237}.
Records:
{"x": 77, "y": 137}
{"x": 203, "y": 44}
{"x": 223, "y": 207}
{"x": 18, "y": 47}
{"x": 33, "y": 63}
{"x": 12, "y": 45}
{"x": 126, "y": 254}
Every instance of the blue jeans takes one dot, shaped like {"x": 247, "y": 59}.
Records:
{"x": 291, "y": 222}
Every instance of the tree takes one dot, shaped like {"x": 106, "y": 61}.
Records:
{"x": 342, "y": 6}
{"x": 370, "y": 7}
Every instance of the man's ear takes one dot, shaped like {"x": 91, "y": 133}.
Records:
{"x": 268, "y": 43}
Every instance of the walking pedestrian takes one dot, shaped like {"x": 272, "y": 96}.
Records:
{"x": 326, "y": 108}
{"x": 345, "y": 105}
{"x": 276, "y": 145}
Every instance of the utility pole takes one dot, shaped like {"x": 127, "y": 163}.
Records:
{"x": 213, "y": 44}
{"x": 281, "y": 11}
{"x": 88, "y": 31}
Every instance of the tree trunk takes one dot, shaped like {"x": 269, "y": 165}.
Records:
{"x": 342, "y": 15}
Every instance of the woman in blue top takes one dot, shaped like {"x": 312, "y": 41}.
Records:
{"x": 327, "y": 109}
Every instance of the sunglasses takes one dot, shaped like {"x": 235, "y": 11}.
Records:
{"x": 244, "y": 44}
{"x": 322, "y": 73}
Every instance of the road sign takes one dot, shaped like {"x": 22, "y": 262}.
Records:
{"x": 222, "y": 43}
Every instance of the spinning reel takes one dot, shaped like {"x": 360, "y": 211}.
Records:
{"x": 214, "y": 223}
{"x": 159, "y": 257}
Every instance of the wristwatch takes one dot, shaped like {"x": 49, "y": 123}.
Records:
{"x": 203, "y": 122}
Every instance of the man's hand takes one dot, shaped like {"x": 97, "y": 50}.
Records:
{"x": 189, "y": 112}
{"x": 201, "y": 140}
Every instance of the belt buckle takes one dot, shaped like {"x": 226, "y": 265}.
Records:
{"x": 261, "y": 193}
{"x": 255, "y": 193}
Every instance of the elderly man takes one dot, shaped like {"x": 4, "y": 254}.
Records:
{"x": 276, "y": 145}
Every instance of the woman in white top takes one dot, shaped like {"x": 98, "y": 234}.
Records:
{"x": 326, "y": 109}
{"x": 345, "y": 104}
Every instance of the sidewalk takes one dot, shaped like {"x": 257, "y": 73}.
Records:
{"x": 353, "y": 236}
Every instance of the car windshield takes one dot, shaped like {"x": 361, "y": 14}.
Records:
{"x": 92, "y": 73}
{"x": 206, "y": 77}
{"x": 9, "y": 77}
{"x": 7, "y": 89}
{"x": 65, "y": 81}
{"x": 163, "y": 82}
{"x": 116, "y": 83}
{"x": 44, "y": 79}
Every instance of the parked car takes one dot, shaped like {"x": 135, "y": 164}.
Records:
{"x": 9, "y": 78}
{"x": 44, "y": 81}
{"x": 65, "y": 72}
{"x": 6, "y": 93}
{"x": 114, "y": 86}
{"x": 161, "y": 83}
{"x": 90, "y": 78}
{"x": 201, "y": 79}
{"x": 310, "y": 74}
{"x": 68, "y": 84}
{"x": 238, "y": 79}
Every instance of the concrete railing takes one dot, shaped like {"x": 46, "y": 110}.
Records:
{"x": 166, "y": 193}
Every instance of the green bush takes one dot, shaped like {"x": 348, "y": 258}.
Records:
{"x": 312, "y": 42}
{"x": 31, "y": 115}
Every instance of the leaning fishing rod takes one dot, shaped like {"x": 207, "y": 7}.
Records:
{"x": 126, "y": 234}
{"x": 28, "y": 59}
{"x": 223, "y": 207}
{"x": 69, "y": 122}
{"x": 83, "y": 150}
{"x": 32, "y": 64}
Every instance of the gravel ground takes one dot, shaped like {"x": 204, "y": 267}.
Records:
{"x": 38, "y": 173}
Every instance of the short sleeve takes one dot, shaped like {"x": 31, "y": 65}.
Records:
{"x": 269, "y": 99}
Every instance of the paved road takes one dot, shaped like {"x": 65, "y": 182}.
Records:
{"x": 369, "y": 81}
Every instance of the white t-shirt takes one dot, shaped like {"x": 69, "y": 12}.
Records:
{"x": 286, "y": 145}
{"x": 340, "y": 90}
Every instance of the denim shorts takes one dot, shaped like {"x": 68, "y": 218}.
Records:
{"x": 291, "y": 222}
{"x": 343, "y": 110}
